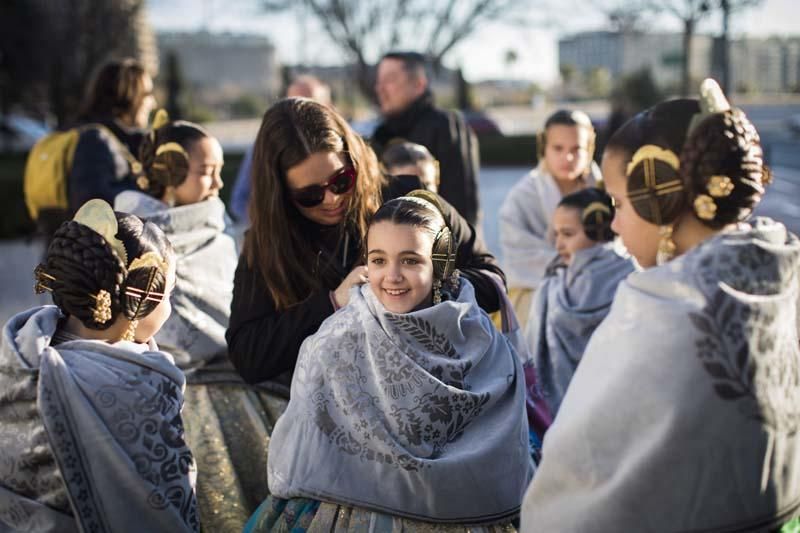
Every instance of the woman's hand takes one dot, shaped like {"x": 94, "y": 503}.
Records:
{"x": 357, "y": 276}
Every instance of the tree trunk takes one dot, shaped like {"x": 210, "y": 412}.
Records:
{"x": 725, "y": 46}
{"x": 688, "y": 33}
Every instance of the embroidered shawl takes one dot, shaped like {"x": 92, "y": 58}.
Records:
{"x": 568, "y": 306}
{"x": 91, "y": 437}
{"x": 420, "y": 415}
{"x": 684, "y": 412}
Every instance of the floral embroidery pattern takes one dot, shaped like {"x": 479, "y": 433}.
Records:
{"x": 430, "y": 412}
{"x": 744, "y": 347}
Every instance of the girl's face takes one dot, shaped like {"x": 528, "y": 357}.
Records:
{"x": 566, "y": 152}
{"x": 399, "y": 266}
{"x": 319, "y": 169}
{"x": 204, "y": 177}
{"x": 570, "y": 236}
{"x": 151, "y": 324}
{"x": 639, "y": 236}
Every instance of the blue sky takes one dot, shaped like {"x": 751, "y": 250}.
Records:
{"x": 481, "y": 55}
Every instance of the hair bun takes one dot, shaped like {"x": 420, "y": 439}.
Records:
{"x": 723, "y": 165}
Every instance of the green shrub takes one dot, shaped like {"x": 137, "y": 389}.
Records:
{"x": 518, "y": 150}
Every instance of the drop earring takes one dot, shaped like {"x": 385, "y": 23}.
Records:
{"x": 437, "y": 291}
{"x": 169, "y": 196}
{"x": 666, "y": 246}
{"x": 130, "y": 333}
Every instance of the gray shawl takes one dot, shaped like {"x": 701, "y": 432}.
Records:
{"x": 91, "y": 437}
{"x": 420, "y": 415}
{"x": 684, "y": 412}
{"x": 207, "y": 257}
{"x": 568, "y": 306}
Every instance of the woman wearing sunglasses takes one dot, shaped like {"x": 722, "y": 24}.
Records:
{"x": 315, "y": 187}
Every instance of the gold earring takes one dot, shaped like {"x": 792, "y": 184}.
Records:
{"x": 169, "y": 196}
{"x": 102, "y": 307}
{"x": 130, "y": 333}
{"x": 453, "y": 281}
{"x": 437, "y": 291}
{"x": 666, "y": 246}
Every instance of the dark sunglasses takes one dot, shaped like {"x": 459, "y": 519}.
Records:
{"x": 313, "y": 195}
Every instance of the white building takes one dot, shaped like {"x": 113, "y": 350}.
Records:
{"x": 762, "y": 65}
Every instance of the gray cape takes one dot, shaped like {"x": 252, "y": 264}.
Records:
{"x": 91, "y": 437}
{"x": 684, "y": 412}
{"x": 207, "y": 257}
{"x": 420, "y": 415}
{"x": 568, "y": 306}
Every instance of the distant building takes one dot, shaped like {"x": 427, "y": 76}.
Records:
{"x": 624, "y": 53}
{"x": 222, "y": 67}
{"x": 763, "y": 65}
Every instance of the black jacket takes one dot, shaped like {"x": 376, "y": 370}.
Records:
{"x": 264, "y": 343}
{"x": 99, "y": 167}
{"x": 449, "y": 139}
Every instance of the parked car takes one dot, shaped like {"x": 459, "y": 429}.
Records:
{"x": 480, "y": 123}
{"x": 19, "y": 133}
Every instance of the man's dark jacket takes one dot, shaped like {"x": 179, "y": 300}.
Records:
{"x": 450, "y": 141}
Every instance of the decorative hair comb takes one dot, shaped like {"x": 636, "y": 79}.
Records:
{"x": 712, "y": 100}
{"x": 98, "y": 215}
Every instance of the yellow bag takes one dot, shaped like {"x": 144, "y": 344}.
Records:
{"x": 46, "y": 171}
{"x": 49, "y": 164}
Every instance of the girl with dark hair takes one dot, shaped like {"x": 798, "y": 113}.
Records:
{"x": 401, "y": 158}
{"x": 179, "y": 192}
{"x": 315, "y": 187}
{"x": 227, "y": 421}
{"x": 577, "y": 290}
{"x": 404, "y": 397}
{"x": 565, "y": 149}
{"x": 114, "y": 114}
{"x": 91, "y": 436}
{"x": 683, "y": 414}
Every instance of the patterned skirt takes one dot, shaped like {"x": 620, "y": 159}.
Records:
{"x": 228, "y": 427}
{"x": 301, "y": 514}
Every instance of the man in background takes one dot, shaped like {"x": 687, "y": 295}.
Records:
{"x": 406, "y": 103}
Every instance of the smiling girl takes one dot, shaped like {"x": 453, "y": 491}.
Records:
{"x": 407, "y": 402}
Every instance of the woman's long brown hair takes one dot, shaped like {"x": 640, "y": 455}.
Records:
{"x": 291, "y": 131}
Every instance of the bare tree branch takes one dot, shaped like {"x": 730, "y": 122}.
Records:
{"x": 366, "y": 29}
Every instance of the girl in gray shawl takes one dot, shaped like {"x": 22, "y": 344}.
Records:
{"x": 577, "y": 290}
{"x": 91, "y": 437}
{"x": 227, "y": 421}
{"x": 407, "y": 402}
{"x": 684, "y": 412}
